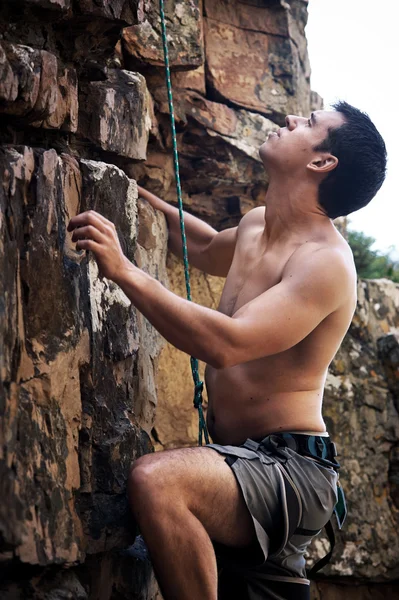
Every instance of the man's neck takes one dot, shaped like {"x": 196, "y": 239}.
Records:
{"x": 292, "y": 212}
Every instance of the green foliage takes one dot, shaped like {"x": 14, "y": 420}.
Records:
{"x": 371, "y": 264}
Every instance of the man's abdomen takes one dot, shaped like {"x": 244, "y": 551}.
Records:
{"x": 246, "y": 403}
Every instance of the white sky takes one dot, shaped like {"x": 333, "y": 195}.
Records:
{"x": 354, "y": 53}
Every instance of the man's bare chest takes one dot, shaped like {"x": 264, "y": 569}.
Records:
{"x": 248, "y": 278}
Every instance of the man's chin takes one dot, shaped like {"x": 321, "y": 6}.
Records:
{"x": 264, "y": 151}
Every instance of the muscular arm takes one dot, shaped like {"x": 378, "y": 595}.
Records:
{"x": 208, "y": 250}
{"x": 273, "y": 322}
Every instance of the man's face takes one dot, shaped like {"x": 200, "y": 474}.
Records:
{"x": 292, "y": 148}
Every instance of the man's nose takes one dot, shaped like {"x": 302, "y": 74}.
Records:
{"x": 292, "y": 121}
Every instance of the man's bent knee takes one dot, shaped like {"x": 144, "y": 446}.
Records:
{"x": 141, "y": 474}
{"x": 146, "y": 483}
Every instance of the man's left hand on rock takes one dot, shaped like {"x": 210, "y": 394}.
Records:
{"x": 92, "y": 231}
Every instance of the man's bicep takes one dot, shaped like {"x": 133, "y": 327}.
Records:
{"x": 219, "y": 253}
{"x": 274, "y": 322}
{"x": 285, "y": 314}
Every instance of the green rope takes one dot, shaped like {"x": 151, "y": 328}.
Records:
{"x": 198, "y": 384}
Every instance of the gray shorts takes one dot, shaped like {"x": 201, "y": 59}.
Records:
{"x": 274, "y": 569}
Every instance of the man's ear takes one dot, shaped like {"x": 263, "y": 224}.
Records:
{"x": 323, "y": 163}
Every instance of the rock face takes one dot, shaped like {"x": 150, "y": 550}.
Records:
{"x": 75, "y": 411}
{"x": 142, "y": 41}
{"x": 176, "y": 423}
{"x": 256, "y": 55}
{"x": 109, "y": 111}
{"x": 361, "y": 411}
{"x": 256, "y": 71}
{"x": 84, "y": 115}
{"x": 32, "y": 86}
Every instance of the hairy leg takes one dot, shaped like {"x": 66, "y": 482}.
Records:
{"x": 183, "y": 499}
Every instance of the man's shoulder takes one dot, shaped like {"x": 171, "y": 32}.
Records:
{"x": 256, "y": 214}
{"x": 254, "y": 217}
{"x": 316, "y": 254}
{"x": 329, "y": 266}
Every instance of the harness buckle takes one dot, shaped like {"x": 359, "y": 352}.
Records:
{"x": 251, "y": 444}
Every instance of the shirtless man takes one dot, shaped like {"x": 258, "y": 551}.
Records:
{"x": 288, "y": 301}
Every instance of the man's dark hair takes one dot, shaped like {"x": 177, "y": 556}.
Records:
{"x": 361, "y": 168}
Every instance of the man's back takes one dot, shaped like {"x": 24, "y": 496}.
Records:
{"x": 281, "y": 391}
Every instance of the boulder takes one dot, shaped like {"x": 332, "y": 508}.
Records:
{"x": 115, "y": 114}
{"x": 28, "y": 81}
{"x": 34, "y": 88}
{"x": 143, "y": 42}
{"x": 253, "y": 58}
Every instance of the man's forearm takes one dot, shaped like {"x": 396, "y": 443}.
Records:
{"x": 198, "y": 234}
{"x": 194, "y": 329}
{"x": 204, "y": 333}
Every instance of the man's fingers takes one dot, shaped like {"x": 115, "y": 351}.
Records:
{"x": 89, "y": 231}
{"x": 89, "y": 217}
{"x": 88, "y": 245}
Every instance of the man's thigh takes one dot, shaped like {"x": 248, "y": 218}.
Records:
{"x": 198, "y": 479}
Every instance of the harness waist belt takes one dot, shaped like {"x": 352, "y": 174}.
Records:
{"x": 318, "y": 447}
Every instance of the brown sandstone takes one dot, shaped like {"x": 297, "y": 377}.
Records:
{"x": 114, "y": 114}
{"x": 143, "y": 42}
{"x": 254, "y": 61}
{"x": 29, "y": 81}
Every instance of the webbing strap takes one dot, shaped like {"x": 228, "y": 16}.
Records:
{"x": 198, "y": 384}
{"x": 326, "y": 559}
{"x": 294, "y": 515}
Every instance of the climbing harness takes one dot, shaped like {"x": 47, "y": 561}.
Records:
{"x": 323, "y": 451}
{"x": 198, "y": 384}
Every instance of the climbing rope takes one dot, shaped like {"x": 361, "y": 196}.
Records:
{"x": 198, "y": 384}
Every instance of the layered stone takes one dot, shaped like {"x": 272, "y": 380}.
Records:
{"x": 115, "y": 114}
{"x": 222, "y": 174}
{"x": 124, "y": 11}
{"x": 74, "y": 416}
{"x": 66, "y": 110}
{"x": 120, "y": 10}
{"x": 45, "y": 347}
{"x": 78, "y": 386}
{"x": 143, "y": 42}
{"x": 176, "y": 423}
{"x": 253, "y": 59}
{"x": 361, "y": 412}
{"x": 32, "y": 87}
{"x": 327, "y": 590}
{"x": 28, "y": 81}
